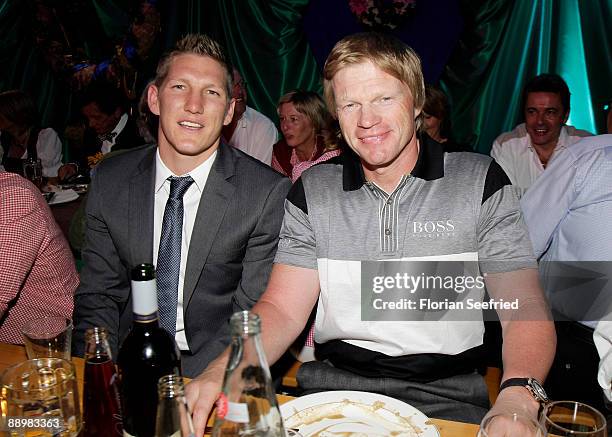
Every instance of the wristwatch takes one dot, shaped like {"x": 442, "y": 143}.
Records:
{"x": 531, "y": 384}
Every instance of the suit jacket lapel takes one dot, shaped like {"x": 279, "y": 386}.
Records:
{"x": 211, "y": 210}
{"x": 141, "y": 210}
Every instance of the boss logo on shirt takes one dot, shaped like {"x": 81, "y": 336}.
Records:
{"x": 433, "y": 228}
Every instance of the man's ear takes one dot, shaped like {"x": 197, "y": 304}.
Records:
{"x": 566, "y": 116}
{"x": 152, "y": 99}
{"x": 229, "y": 113}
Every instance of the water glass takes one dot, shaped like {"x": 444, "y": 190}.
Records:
{"x": 48, "y": 337}
{"x": 40, "y": 398}
{"x": 32, "y": 170}
{"x": 510, "y": 425}
{"x": 575, "y": 419}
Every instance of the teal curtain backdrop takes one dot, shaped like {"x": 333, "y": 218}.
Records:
{"x": 265, "y": 42}
{"x": 507, "y": 42}
{"x": 504, "y": 43}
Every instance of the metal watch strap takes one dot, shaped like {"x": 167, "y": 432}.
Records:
{"x": 531, "y": 384}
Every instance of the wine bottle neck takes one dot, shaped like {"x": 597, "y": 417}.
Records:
{"x": 146, "y": 319}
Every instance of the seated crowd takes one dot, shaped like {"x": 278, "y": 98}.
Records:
{"x": 359, "y": 176}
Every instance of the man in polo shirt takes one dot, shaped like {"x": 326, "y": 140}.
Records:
{"x": 525, "y": 152}
{"x": 378, "y": 202}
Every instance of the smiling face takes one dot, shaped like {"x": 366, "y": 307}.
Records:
{"x": 193, "y": 105}
{"x": 296, "y": 127}
{"x": 544, "y": 117}
{"x": 377, "y": 118}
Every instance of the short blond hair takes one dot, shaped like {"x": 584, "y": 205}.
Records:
{"x": 387, "y": 53}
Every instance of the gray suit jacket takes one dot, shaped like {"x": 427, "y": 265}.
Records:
{"x": 230, "y": 254}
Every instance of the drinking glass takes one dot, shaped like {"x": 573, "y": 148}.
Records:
{"x": 39, "y": 398}
{"x": 575, "y": 419}
{"x": 48, "y": 337}
{"x": 510, "y": 425}
{"x": 32, "y": 170}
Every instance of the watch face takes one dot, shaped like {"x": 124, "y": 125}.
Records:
{"x": 538, "y": 390}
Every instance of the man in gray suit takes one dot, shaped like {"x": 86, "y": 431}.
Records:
{"x": 231, "y": 212}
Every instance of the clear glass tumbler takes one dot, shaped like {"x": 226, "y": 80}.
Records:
{"x": 40, "y": 398}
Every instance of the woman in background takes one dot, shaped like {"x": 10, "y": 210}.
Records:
{"x": 308, "y": 133}
{"x": 22, "y": 137}
{"x": 436, "y": 121}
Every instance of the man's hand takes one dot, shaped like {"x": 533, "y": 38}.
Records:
{"x": 202, "y": 392}
{"x": 512, "y": 400}
{"x": 66, "y": 171}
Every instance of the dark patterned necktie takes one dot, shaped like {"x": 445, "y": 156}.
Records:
{"x": 107, "y": 137}
{"x": 169, "y": 255}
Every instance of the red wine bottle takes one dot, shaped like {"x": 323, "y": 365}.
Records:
{"x": 148, "y": 353}
{"x": 101, "y": 404}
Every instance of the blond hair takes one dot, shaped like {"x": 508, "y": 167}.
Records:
{"x": 312, "y": 106}
{"x": 196, "y": 44}
{"x": 387, "y": 53}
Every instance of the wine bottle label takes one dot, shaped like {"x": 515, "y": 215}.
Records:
{"x": 232, "y": 411}
{"x": 238, "y": 413}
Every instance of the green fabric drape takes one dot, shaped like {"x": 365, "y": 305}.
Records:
{"x": 265, "y": 42}
{"x": 507, "y": 42}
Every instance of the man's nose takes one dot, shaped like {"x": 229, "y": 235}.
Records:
{"x": 194, "y": 103}
{"x": 368, "y": 116}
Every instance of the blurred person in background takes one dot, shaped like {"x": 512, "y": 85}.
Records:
{"x": 436, "y": 119}
{"x": 109, "y": 128}
{"x": 308, "y": 132}
{"x": 525, "y": 152}
{"x": 21, "y": 136}
{"x": 250, "y": 130}
{"x": 38, "y": 275}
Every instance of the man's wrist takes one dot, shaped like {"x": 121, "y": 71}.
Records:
{"x": 531, "y": 385}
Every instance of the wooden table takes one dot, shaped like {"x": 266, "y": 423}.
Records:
{"x": 11, "y": 354}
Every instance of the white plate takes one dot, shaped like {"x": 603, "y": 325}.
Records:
{"x": 355, "y": 414}
{"x": 64, "y": 196}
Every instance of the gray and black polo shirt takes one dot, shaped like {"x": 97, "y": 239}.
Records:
{"x": 453, "y": 206}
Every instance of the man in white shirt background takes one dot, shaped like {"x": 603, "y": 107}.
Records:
{"x": 525, "y": 151}
{"x": 250, "y": 130}
{"x": 567, "y": 212}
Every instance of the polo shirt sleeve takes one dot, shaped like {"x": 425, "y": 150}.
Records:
{"x": 503, "y": 239}
{"x": 297, "y": 244}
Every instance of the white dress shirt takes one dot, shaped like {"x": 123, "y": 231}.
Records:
{"x": 514, "y": 152}
{"x": 255, "y": 135}
{"x": 49, "y": 151}
{"x": 191, "y": 201}
{"x": 107, "y": 145}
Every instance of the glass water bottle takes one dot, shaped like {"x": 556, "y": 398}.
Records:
{"x": 247, "y": 405}
{"x": 173, "y": 417}
{"x": 101, "y": 403}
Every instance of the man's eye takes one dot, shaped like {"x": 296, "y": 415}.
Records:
{"x": 385, "y": 99}
{"x": 213, "y": 92}
{"x": 349, "y": 107}
{"x": 293, "y": 119}
{"x": 178, "y": 86}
